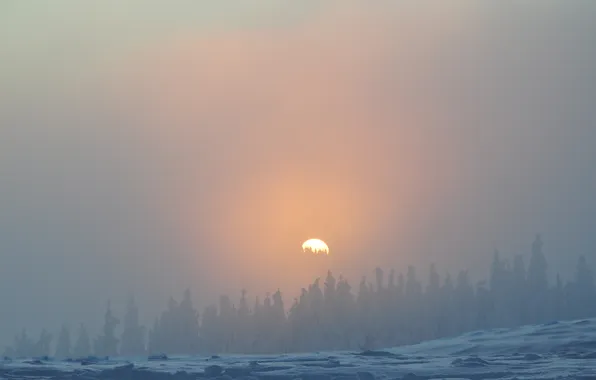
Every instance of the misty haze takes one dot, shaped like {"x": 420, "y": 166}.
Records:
{"x": 332, "y": 183}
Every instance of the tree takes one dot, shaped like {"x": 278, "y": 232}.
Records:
{"x": 189, "y": 324}
{"x": 484, "y": 306}
{"x": 519, "y": 291}
{"x": 537, "y": 284}
{"x": 225, "y": 323}
{"x": 42, "y": 347}
{"x": 334, "y": 317}
{"x": 499, "y": 297}
{"x": 154, "y": 345}
{"x": 344, "y": 313}
{"x": 584, "y": 294}
{"x": 107, "y": 344}
{"x": 559, "y": 301}
{"x": 82, "y": 347}
{"x": 464, "y": 302}
{"x": 379, "y": 275}
{"x": 413, "y": 287}
{"x": 434, "y": 281}
{"x": 497, "y": 273}
{"x": 330, "y": 285}
{"x": 447, "y": 308}
{"x": 537, "y": 280}
{"x": 133, "y": 336}
{"x": 432, "y": 303}
{"x": 277, "y": 323}
{"x": 23, "y": 346}
{"x": 391, "y": 281}
{"x": 63, "y": 349}
{"x": 242, "y": 341}
{"x": 209, "y": 331}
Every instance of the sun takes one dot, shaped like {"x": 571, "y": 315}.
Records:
{"x": 315, "y": 246}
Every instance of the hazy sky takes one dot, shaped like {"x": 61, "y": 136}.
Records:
{"x": 149, "y": 146}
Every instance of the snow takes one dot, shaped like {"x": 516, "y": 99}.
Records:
{"x": 558, "y": 350}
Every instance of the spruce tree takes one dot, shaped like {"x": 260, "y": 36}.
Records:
{"x": 42, "y": 347}
{"x": 133, "y": 336}
{"x": 82, "y": 347}
{"x": 63, "y": 349}
{"x": 107, "y": 344}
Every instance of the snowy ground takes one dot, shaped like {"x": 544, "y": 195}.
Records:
{"x": 565, "y": 350}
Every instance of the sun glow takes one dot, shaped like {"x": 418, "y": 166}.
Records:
{"x": 315, "y": 246}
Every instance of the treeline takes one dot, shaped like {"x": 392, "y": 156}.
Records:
{"x": 398, "y": 309}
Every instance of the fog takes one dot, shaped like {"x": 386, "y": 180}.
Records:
{"x": 146, "y": 147}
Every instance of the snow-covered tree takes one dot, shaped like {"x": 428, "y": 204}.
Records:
{"x": 82, "y": 347}
{"x": 63, "y": 349}
{"x": 133, "y": 335}
{"x": 106, "y": 344}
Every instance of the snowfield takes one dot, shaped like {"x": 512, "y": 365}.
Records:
{"x": 558, "y": 350}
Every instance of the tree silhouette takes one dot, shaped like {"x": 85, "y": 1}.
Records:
{"x": 584, "y": 293}
{"x": 83, "y": 345}
{"x": 334, "y": 317}
{"x": 23, "y": 346}
{"x": 133, "y": 336}
{"x": 63, "y": 349}
{"x": 107, "y": 344}
{"x": 537, "y": 283}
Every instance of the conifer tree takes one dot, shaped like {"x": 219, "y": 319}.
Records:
{"x": 379, "y": 277}
{"x": 330, "y": 285}
{"x": 63, "y": 349}
{"x": 584, "y": 293}
{"x": 133, "y": 336}
{"x": 336, "y": 318}
{"x": 107, "y": 344}
{"x": 434, "y": 281}
{"x": 23, "y": 346}
{"x": 42, "y": 347}
{"x": 537, "y": 284}
{"x": 242, "y": 325}
{"x": 189, "y": 323}
{"x": 537, "y": 280}
{"x": 82, "y": 347}
{"x": 519, "y": 292}
{"x": 154, "y": 346}
{"x": 391, "y": 281}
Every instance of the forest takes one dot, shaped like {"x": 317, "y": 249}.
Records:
{"x": 395, "y": 309}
